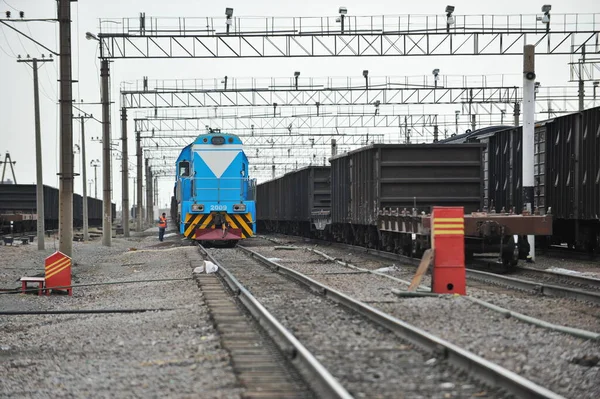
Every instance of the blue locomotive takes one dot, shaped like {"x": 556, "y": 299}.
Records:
{"x": 214, "y": 196}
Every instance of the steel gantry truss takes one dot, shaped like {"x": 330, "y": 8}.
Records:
{"x": 266, "y": 124}
{"x": 178, "y": 141}
{"x": 276, "y": 95}
{"x": 258, "y": 166}
{"x": 387, "y": 35}
{"x": 323, "y": 37}
{"x": 339, "y": 101}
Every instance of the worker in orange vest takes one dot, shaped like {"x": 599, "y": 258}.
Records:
{"x": 162, "y": 225}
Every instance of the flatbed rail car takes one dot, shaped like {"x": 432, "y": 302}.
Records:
{"x": 500, "y": 233}
{"x": 298, "y": 202}
{"x": 567, "y": 175}
{"x": 18, "y": 203}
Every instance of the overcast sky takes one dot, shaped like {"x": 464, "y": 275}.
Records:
{"x": 16, "y": 88}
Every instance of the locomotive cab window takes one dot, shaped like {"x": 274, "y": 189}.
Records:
{"x": 218, "y": 140}
{"x": 184, "y": 168}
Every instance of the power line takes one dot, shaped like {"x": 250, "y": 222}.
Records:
{"x": 7, "y": 42}
{"x": 45, "y": 69}
{"x": 6, "y": 2}
{"x": 4, "y": 51}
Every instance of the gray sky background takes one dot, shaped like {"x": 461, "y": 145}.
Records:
{"x": 16, "y": 88}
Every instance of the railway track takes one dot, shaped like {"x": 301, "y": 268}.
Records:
{"x": 587, "y": 283}
{"x": 555, "y": 284}
{"x": 259, "y": 367}
{"x": 337, "y": 337}
{"x": 566, "y": 253}
{"x": 575, "y": 317}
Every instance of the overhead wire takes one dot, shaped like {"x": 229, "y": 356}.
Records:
{"x": 41, "y": 86}
{"x": 6, "y": 2}
{"x": 7, "y": 42}
{"x": 45, "y": 69}
{"x": 4, "y": 51}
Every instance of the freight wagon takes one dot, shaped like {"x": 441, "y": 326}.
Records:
{"x": 18, "y": 203}
{"x": 566, "y": 171}
{"x": 296, "y": 203}
{"x": 382, "y": 196}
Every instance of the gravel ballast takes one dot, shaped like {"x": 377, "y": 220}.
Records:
{"x": 557, "y": 361}
{"x": 172, "y": 353}
{"x": 561, "y": 311}
{"x": 368, "y": 360}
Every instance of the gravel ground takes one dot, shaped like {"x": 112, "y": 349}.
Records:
{"x": 561, "y": 311}
{"x": 545, "y": 357}
{"x": 172, "y": 353}
{"x": 369, "y": 361}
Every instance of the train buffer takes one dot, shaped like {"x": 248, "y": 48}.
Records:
{"x": 41, "y": 281}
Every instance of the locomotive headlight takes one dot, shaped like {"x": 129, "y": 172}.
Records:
{"x": 239, "y": 208}
{"x": 197, "y": 207}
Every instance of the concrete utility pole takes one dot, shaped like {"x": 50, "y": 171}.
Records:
{"x": 94, "y": 164}
{"x": 138, "y": 140}
{"x": 134, "y": 190}
{"x": 148, "y": 200}
{"x": 150, "y": 196}
{"x": 106, "y": 204}
{"x": 155, "y": 194}
{"x": 125, "y": 174}
{"x": 471, "y": 105}
{"x": 38, "y": 152}
{"x": 581, "y": 81}
{"x": 581, "y": 95}
{"x": 65, "y": 223}
{"x": 456, "y": 114}
{"x": 86, "y": 233}
{"x": 528, "y": 135}
{"x": 473, "y": 122}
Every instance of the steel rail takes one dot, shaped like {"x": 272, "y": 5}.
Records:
{"x": 488, "y": 372}
{"x": 541, "y": 288}
{"x": 321, "y": 380}
{"x": 574, "y": 279}
{"x": 425, "y": 291}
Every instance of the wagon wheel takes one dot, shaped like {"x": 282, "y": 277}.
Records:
{"x": 510, "y": 253}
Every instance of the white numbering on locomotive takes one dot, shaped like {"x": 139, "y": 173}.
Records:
{"x": 218, "y": 207}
